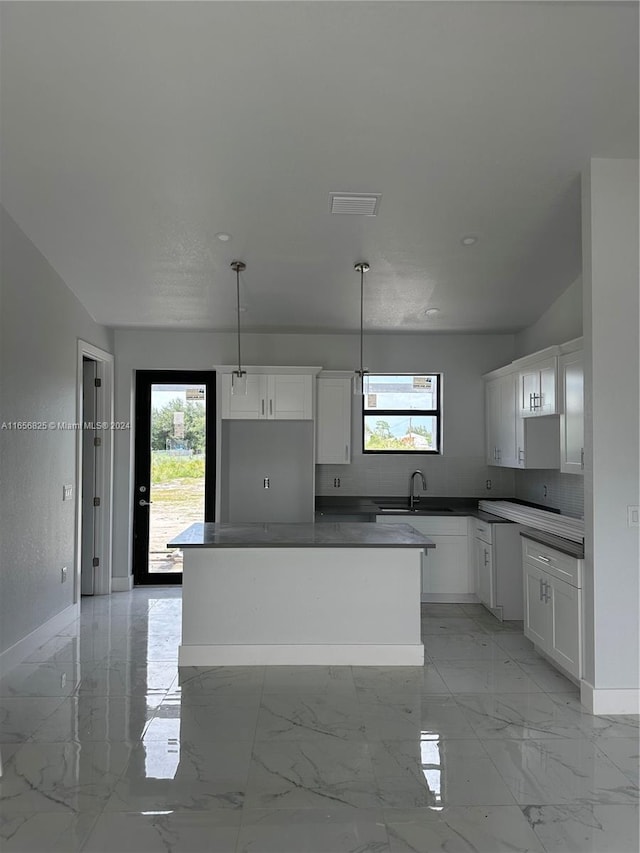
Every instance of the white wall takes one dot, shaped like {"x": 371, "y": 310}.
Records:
{"x": 561, "y": 322}
{"x": 612, "y": 358}
{"x": 40, "y": 324}
{"x": 461, "y": 358}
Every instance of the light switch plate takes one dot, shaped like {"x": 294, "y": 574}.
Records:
{"x": 67, "y": 493}
{"x": 633, "y": 516}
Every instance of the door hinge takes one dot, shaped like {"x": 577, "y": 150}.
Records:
{"x": 96, "y": 501}
{"x": 96, "y": 561}
{"x": 97, "y": 441}
{"x": 97, "y": 382}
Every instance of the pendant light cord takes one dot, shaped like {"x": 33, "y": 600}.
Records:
{"x": 237, "y": 267}
{"x": 361, "y": 320}
{"x": 238, "y": 313}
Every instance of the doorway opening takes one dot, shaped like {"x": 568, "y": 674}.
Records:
{"x": 94, "y": 471}
{"x": 174, "y": 466}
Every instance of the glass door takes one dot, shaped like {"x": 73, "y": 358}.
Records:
{"x": 174, "y": 466}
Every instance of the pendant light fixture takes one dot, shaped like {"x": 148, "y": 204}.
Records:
{"x": 360, "y": 379}
{"x": 239, "y": 376}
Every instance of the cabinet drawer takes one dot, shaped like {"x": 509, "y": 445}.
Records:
{"x": 482, "y": 530}
{"x": 555, "y": 563}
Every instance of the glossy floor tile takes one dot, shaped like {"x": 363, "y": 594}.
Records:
{"x": 108, "y": 747}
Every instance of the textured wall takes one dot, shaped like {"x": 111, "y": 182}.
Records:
{"x": 41, "y": 321}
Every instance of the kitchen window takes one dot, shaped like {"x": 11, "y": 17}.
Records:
{"x": 402, "y": 413}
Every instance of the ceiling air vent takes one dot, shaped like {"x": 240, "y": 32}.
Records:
{"x": 357, "y": 204}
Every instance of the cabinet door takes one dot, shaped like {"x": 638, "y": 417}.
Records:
{"x": 565, "y": 639}
{"x": 249, "y": 406}
{"x": 572, "y": 417}
{"x": 546, "y": 404}
{"x": 528, "y": 389}
{"x": 536, "y": 613}
{"x": 492, "y": 405}
{"x": 290, "y": 397}
{"x": 446, "y": 568}
{"x": 507, "y": 455}
{"x": 485, "y": 585}
{"x": 333, "y": 420}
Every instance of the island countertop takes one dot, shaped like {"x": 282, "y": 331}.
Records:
{"x": 279, "y": 535}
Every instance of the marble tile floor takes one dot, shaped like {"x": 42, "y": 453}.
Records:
{"x": 108, "y": 748}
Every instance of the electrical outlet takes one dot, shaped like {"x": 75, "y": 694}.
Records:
{"x": 67, "y": 492}
{"x": 545, "y": 491}
{"x": 633, "y": 516}
{"x": 63, "y": 575}
{"x": 336, "y": 482}
{"x": 488, "y": 485}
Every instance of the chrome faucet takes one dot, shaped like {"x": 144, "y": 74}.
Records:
{"x": 412, "y": 482}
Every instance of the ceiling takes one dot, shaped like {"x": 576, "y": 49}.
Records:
{"x": 133, "y": 133}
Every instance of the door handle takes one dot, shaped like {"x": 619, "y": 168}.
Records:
{"x": 486, "y": 556}
{"x": 144, "y": 503}
{"x": 582, "y": 457}
{"x": 346, "y": 453}
{"x": 262, "y": 402}
{"x": 271, "y": 406}
{"x": 541, "y": 591}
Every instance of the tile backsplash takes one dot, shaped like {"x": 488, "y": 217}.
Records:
{"x": 564, "y": 491}
{"x": 389, "y": 475}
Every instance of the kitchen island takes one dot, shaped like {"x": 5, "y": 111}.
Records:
{"x": 332, "y": 594}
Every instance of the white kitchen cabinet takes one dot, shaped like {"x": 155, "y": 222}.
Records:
{"x": 447, "y": 574}
{"x": 571, "y": 386}
{"x": 333, "y": 418}
{"x": 553, "y": 604}
{"x": 485, "y": 587}
{"x": 501, "y": 417}
{"x": 287, "y": 396}
{"x": 497, "y": 567}
{"x": 537, "y": 388}
{"x": 511, "y": 440}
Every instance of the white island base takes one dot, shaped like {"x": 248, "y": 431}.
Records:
{"x": 324, "y": 606}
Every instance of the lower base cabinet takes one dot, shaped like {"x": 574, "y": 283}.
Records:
{"x": 447, "y": 573}
{"x": 553, "y": 606}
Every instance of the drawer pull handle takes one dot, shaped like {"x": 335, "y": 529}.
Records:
{"x": 544, "y": 559}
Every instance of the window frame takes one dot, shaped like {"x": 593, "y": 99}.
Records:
{"x": 435, "y": 413}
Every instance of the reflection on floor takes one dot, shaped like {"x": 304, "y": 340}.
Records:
{"x": 486, "y": 748}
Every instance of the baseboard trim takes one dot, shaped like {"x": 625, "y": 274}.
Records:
{"x": 302, "y": 655}
{"x": 122, "y": 584}
{"x": 446, "y": 598}
{"x": 21, "y": 650}
{"x": 615, "y": 701}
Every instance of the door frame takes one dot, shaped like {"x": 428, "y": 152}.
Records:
{"x": 104, "y": 469}
{"x": 140, "y": 466}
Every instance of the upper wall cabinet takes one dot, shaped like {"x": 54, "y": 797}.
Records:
{"x": 501, "y": 416}
{"x": 286, "y": 396}
{"x": 571, "y": 386}
{"x": 513, "y": 441}
{"x": 333, "y": 418}
{"x": 537, "y": 388}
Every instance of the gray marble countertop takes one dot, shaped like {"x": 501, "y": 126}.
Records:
{"x": 565, "y": 546}
{"x": 370, "y": 507}
{"x": 267, "y": 535}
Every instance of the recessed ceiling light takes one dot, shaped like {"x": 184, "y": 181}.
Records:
{"x": 432, "y": 312}
{"x": 224, "y": 237}
{"x": 469, "y": 240}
